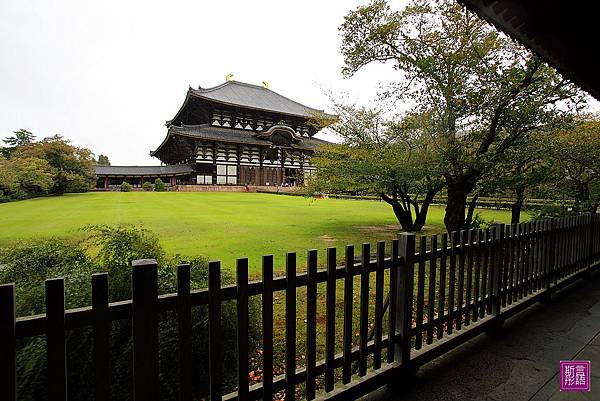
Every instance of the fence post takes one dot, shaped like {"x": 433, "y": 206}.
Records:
{"x": 498, "y": 262}
{"x": 144, "y": 294}
{"x": 101, "y": 333}
{"x": 214, "y": 330}
{"x": 56, "y": 347}
{"x": 8, "y": 366}
{"x": 404, "y": 288}
{"x": 589, "y": 250}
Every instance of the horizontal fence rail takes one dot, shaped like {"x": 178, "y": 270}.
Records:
{"x": 399, "y": 307}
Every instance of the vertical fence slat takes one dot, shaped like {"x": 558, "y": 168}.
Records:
{"x": 145, "y": 329}
{"x": 101, "y": 331}
{"x": 498, "y": 261}
{"x": 364, "y": 309}
{"x": 469, "y": 272}
{"x": 330, "y": 323}
{"x": 184, "y": 331}
{"x": 420, "y": 293}
{"x": 461, "y": 279}
{"x": 214, "y": 329}
{"x": 242, "y": 327}
{"x": 290, "y": 326}
{"x": 393, "y": 294}
{"x": 511, "y": 264}
{"x": 311, "y": 323}
{"x": 541, "y": 253}
{"x": 452, "y": 281}
{"x": 378, "y": 328}
{"x": 442, "y": 294}
{"x": 348, "y": 312}
{"x": 477, "y": 279}
{"x": 485, "y": 246}
{"x": 8, "y": 365}
{"x": 267, "y": 326}
{"x": 493, "y": 262}
{"x": 405, "y": 297}
{"x": 56, "y": 350}
{"x": 509, "y": 284}
{"x": 432, "y": 286}
{"x": 530, "y": 252}
{"x": 505, "y": 264}
{"x": 537, "y": 255}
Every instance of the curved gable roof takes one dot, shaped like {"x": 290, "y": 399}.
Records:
{"x": 255, "y": 97}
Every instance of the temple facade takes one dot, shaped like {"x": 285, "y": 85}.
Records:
{"x": 232, "y": 134}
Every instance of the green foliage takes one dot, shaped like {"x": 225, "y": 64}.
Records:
{"x": 479, "y": 221}
{"x": 73, "y": 167}
{"x": 103, "y": 160}
{"x": 117, "y": 246}
{"x": 483, "y": 92}
{"x": 574, "y": 154}
{"x": 50, "y": 166}
{"x": 159, "y": 185}
{"x": 125, "y": 186}
{"x": 21, "y": 137}
{"x": 147, "y": 186}
{"x": 30, "y": 263}
{"x": 25, "y": 177}
{"x": 387, "y": 157}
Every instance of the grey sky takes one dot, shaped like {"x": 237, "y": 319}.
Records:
{"x": 108, "y": 74}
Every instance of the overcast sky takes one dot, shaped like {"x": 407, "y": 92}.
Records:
{"x": 108, "y": 74}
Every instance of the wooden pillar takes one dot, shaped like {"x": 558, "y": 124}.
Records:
{"x": 404, "y": 297}
{"x": 145, "y": 329}
{"x": 106, "y": 182}
{"x": 173, "y": 181}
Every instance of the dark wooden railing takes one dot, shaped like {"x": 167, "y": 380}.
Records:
{"x": 437, "y": 298}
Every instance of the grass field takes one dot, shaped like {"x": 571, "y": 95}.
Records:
{"x": 220, "y": 226}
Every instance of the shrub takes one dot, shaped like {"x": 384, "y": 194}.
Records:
{"x": 159, "y": 185}
{"x": 480, "y": 222}
{"x": 125, "y": 187}
{"x": 30, "y": 263}
{"x": 148, "y": 186}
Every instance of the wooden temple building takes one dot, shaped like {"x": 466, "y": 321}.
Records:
{"x": 231, "y": 134}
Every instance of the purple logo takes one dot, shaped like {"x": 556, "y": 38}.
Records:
{"x": 574, "y": 375}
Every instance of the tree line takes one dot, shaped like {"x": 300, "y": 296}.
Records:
{"x": 487, "y": 118}
{"x": 51, "y": 166}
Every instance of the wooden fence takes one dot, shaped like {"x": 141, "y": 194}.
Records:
{"x": 440, "y": 295}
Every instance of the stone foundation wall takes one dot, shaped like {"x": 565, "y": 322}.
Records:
{"x": 213, "y": 188}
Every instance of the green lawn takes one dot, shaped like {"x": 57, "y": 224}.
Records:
{"x": 218, "y": 225}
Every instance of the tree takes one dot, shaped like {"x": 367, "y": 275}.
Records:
{"x": 525, "y": 169}
{"x": 103, "y": 160}
{"x": 21, "y": 137}
{"x": 575, "y": 153}
{"x": 25, "y": 177}
{"x": 390, "y": 159}
{"x": 73, "y": 167}
{"x": 159, "y": 185}
{"x": 483, "y": 91}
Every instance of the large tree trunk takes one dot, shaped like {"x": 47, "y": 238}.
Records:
{"x": 471, "y": 211}
{"x": 421, "y": 215}
{"x": 402, "y": 213}
{"x": 517, "y": 206}
{"x": 404, "y": 217}
{"x": 458, "y": 190}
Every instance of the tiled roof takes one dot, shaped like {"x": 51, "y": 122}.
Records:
{"x": 255, "y": 97}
